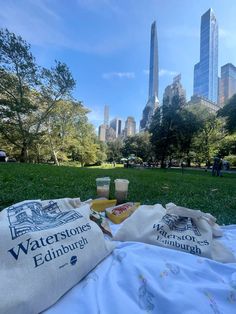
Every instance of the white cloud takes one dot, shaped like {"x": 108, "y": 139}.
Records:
{"x": 164, "y": 72}
{"x": 47, "y": 29}
{"x": 110, "y": 75}
{"x": 43, "y": 6}
{"x": 41, "y": 19}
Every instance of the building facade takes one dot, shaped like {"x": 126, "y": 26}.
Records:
{"x": 106, "y": 115}
{"x": 103, "y": 128}
{"x": 102, "y": 132}
{"x": 152, "y": 102}
{"x": 115, "y": 124}
{"x": 227, "y": 83}
{"x": 175, "y": 89}
{"x": 206, "y": 70}
{"x": 201, "y": 101}
{"x": 130, "y": 127}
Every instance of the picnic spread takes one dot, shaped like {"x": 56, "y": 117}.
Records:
{"x": 97, "y": 256}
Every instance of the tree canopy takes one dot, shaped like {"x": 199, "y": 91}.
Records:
{"x": 138, "y": 145}
{"x": 37, "y": 112}
{"x": 28, "y": 93}
{"x": 229, "y": 112}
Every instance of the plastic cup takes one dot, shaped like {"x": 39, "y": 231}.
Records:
{"x": 103, "y": 186}
{"x": 121, "y": 190}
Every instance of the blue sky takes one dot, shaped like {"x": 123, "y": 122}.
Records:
{"x": 106, "y": 44}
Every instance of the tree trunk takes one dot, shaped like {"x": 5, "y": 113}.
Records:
{"x": 188, "y": 161}
{"x": 24, "y": 153}
{"x": 53, "y": 152}
{"x": 38, "y": 153}
{"x": 163, "y": 165}
{"x": 54, "y": 156}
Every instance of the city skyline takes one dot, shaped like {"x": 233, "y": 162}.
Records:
{"x": 107, "y": 44}
{"x": 113, "y": 129}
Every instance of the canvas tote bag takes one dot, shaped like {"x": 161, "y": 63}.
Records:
{"x": 45, "y": 249}
{"x": 176, "y": 228}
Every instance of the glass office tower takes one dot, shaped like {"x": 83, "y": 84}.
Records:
{"x": 206, "y": 71}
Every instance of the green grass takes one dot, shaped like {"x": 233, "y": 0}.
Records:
{"x": 193, "y": 189}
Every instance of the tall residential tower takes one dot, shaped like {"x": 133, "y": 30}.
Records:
{"x": 206, "y": 70}
{"x": 152, "y": 102}
{"x": 130, "y": 127}
{"x": 227, "y": 83}
{"x": 106, "y": 115}
{"x": 103, "y": 128}
{"x": 115, "y": 124}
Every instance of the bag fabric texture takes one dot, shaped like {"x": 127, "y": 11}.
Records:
{"x": 46, "y": 248}
{"x": 177, "y": 228}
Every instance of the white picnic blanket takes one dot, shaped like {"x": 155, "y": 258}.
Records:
{"x": 142, "y": 278}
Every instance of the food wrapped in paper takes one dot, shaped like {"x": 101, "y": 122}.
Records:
{"x": 119, "y": 213}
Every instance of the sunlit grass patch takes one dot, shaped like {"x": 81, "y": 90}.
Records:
{"x": 193, "y": 189}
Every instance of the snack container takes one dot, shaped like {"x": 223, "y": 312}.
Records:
{"x": 103, "y": 187}
{"x": 119, "y": 213}
{"x": 121, "y": 190}
{"x": 101, "y": 205}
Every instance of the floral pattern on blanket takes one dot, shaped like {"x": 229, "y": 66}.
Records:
{"x": 171, "y": 268}
{"x": 145, "y": 296}
{"x": 141, "y": 278}
{"x": 212, "y": 303}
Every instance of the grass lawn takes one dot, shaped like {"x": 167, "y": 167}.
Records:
{"x": 193, "y": 189}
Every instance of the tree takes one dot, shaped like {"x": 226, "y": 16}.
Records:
{"x": 229, "y": 112}
{"x": 101, "y": 152}
{"x": 188, "y": 126}
{"x": 228, "y": 146}
{"x": 114, "y": 150}
{"x": 28, "y": 93}
{"x": 164, "y": 128}
{"x": 61, "y": 127}
{"x": 85, "y": 149}
{"x": 138, "y": 145}
{"x": 207, "y": 142}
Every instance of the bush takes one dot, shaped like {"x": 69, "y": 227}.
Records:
{"x": 231, "y": 159}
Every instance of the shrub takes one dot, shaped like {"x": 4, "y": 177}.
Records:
{"x": 231, "y": 159}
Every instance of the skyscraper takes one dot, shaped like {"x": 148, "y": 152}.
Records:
{"x": 175, "y": 89}
{"x": 206, "y": 70}
{"x": 152, "y": 102}
{"x": 227, "y": 83}
{"x": 106, "y": 115}
{"x": 130, "y": 127}
{"x": 116, "y": 125}
{"x": 103, "y": 128}
{"x": 102, "y": 132}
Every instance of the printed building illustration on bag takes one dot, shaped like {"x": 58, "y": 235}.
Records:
{"x": 32, "y": 216}
{"x": 180, "y": 223}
